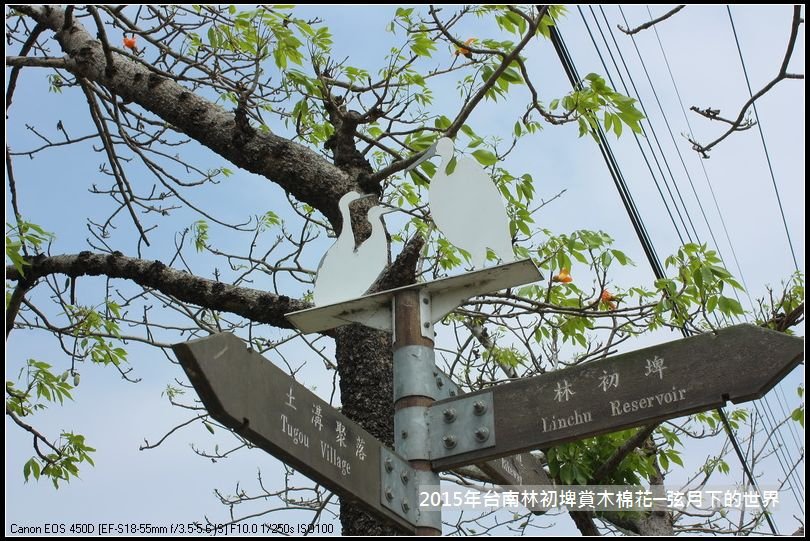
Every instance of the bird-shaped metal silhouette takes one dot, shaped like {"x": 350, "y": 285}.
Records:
{"x": 373, "y": 255}
{"x": 467, "y": 208}
{"x": 346, "y": 271}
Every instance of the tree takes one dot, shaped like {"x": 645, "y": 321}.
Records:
{"x": 261, "y": 89}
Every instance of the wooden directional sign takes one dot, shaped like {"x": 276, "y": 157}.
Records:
{"x": 246, "y": 392}
{"x": 677, "y": 378}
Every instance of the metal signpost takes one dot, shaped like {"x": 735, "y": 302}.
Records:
{"x": 436, "y": 426}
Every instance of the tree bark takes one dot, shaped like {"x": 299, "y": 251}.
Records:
{"x": 253, "y": 304}
{"x": 300, "y": 171}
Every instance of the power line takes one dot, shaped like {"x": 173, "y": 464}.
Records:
{"x": 644, "y": 110}
{"x": 651, "y": 126}
{"x": 702, "y": 165}
{"x": 772, "y": 420}
{"x": 762, "y": 138}
{"x": 780, "y": 451}
{"x": 649, "y": 122}
{"x": 610, "y": 161}
{"x": 641, "y": 149}
{"x": 635, "y": 218}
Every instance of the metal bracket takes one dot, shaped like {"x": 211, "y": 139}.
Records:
{"x": 425, "y": 315}
{"x": 445, "y": 386}
{"x": 446, "y": 294}
{"x": 411, "y": 433}
{"x": 398, "y": 492}
{"x": 414, "y": 369}
{"x": 463, "y": 425}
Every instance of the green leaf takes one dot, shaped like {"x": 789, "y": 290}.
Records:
{"x": 798, "y": 416}
{"x": 451, "y": 166}
{"x": 675, "y": 457}
{"x": 730, "y": 306}
{"x": 485, "y": 157}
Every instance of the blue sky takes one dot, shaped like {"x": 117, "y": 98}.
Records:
{"x": 171, "y": 483}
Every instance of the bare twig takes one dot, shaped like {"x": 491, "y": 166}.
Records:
{"x": 651, "y": 23}
{"x": 15, "y": 72}
{"x": 783, "y": 74}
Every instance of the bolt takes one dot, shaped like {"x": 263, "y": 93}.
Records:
{"x": 425, "y": 300}
{"x": 404, "y": 434}
{"x": 439, "y": 382}
{"x": 389, "y": 494}
{"x": 452, "y": 393}
{"x": 449, "y": 441}
{"x": 479, "y": 407}
{"x": 404, "y": 477}
{"x": 482, "y": 434}
{"x": 406, "y": 506}
{"x": 389, "y": 465}
{"x": 426, "y": 325}
{"x": 449, "y": 415}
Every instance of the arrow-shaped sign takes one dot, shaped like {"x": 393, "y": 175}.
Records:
{"x": 246, "y": 392}
{"x": 677, "y": 378}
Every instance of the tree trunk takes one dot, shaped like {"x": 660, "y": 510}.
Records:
{"x": 365, "y": 367}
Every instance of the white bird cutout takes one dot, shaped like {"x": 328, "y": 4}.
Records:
{"x": 467, "y": 207}
{"x": 346, "y": 272}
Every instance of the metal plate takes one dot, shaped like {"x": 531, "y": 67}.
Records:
{"x": 398, "y": 486}
{"x": 414, "y": 371}
{"x": 411, "y": 433}
{"x": 446, "y": 294}
{"x": 467, "y": 424}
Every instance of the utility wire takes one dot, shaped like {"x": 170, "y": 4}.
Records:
{"x": 651, "y": 127}
{"x": 610, "y": 161}
{"x": 779, "y": 450}
{"x": 637, "y": 95}
{"x": 638, "y": 225}
{"x": 702, "y": 165}
{"x": 770, "y": 167}
{"x": 762, "y": 138}
{"x": 644, "y": 154}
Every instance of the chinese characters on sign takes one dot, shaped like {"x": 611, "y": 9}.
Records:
{"x": 331, "y": 447}
{"x": 608, "y": 381}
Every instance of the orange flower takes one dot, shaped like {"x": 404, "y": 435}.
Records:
{"x": 131, "y": 43}
{"x": 466, "y": 52}
{"x": 564, "y": 276}
{"x": 607, "y": 298}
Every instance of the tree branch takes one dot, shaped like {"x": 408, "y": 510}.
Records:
{"x": 739, "y": 122}
{"x": 14, "y": 303}
{"x": 473, "y": 102}
{"x": 651, "y": 23}
{"x": 619, "y": 454}
{"x": 259, "y": 306}
{"x": 17, "y": 62}
{"x": 37, "y": 437}
{"x": 297, "y": 169}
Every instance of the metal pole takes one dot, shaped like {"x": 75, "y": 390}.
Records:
{"x": 414, "y": 392}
